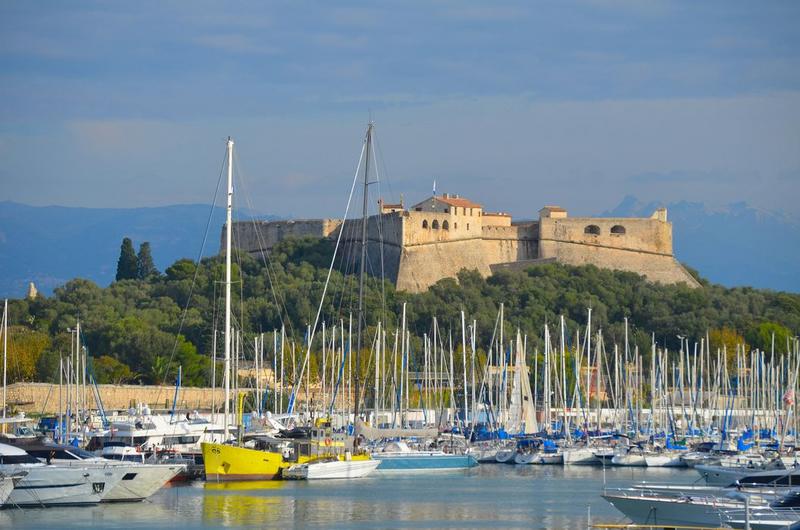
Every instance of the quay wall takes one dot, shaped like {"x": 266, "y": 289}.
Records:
{"x": 42, "y": 398}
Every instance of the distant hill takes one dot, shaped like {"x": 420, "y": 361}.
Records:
{"x": 736, "y": 246}
{"x": 52, "y": 244}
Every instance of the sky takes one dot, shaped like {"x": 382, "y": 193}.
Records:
{"x": 513, "y": 104}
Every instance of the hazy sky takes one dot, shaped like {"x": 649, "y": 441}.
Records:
{"x": 515, "y": 104}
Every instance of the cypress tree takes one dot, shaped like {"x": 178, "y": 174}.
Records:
{"x": 144, "y": 262}
{"x": 127, "y": 263}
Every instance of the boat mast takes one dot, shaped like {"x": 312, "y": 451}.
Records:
{"x": 363, "y": 268}
{"x": 5, "y": 357}
{"x": 227, "y": 331}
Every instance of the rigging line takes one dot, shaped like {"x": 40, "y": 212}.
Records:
{"x": 277, "y": 296}
{"x": 194, "y": 276}
{"x": 385, "y": 171}
{"x": 327, "y": 281}
{"x": 380, "y": 235}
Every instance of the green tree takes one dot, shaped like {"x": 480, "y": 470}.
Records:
{"x": 109, "y": 370}
{"x": 761, "y": 336}
{"x": 127, "y": 265}
{"x": 727, "y": 340}
{"x": 145, "y": 268}
{"x": 25, "y": 346}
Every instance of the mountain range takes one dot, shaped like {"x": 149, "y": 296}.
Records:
{"x": 735, "y": 246}
{"x": 49, "y": 245}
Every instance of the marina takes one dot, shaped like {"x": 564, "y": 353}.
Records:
{"x": 400, "y": 265}
{"x": 491, "y": 496}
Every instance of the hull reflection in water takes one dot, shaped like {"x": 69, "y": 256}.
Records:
{"x": 229, "y": 504}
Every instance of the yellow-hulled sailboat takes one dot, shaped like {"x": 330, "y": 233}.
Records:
{"x": 263, "y": 457}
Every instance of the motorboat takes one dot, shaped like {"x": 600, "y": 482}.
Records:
{"x": 657, "y": 508}
{"x": 139, "y": 480}
{"x": 331, "y": 468}
{"x": 398, "y": 456}
{"x": 55, "y": 484}
{"x": 155, "y": 432}
{"x": 725, "y": 474}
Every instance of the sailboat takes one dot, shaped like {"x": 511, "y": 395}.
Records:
{"x": 263, "y": 456}
{"x": 262, "y": 460}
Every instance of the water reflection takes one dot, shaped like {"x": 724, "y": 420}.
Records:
{"x": 488, "y": 496}
{"x": 243, "y": 503}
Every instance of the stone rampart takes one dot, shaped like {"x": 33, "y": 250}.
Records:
{"x": 256, "y": 235}
{"x": 656, "y": 267}
{"x": 436, "y": 239}
{"x": 646, "y": 235}
{"x": 422, "y": 265}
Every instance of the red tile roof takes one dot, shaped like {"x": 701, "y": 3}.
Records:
{"x": 458, "y": 201}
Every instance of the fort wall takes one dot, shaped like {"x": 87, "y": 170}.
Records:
{"x": 438, "y": 237}
{"x": 255, "y": 235}
{"x": 646, "y": 235}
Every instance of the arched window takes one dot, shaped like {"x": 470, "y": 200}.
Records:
{"x": 618, "y": 230}
{"x": 435, "y": 225}
{"x": 455, "y": 226}
{"x": 592, "y": 229}
{"x": 424, "y": 223}
{"x": 445, "y": 225}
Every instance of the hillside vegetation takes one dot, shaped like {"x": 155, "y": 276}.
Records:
{"x": 140, "y": 330}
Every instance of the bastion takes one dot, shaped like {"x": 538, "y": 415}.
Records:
{"x": 416, "y": 247}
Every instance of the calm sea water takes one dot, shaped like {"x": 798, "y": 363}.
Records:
{"x": 489, "y": 496}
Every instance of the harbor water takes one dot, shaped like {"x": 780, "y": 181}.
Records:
{"x": 489, "y": 496}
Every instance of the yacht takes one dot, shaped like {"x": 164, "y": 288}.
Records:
{"x": 660, "y": 508}
{"x": 154, "y": 433}
{"x": 139, "y": 481}
{"x": 54, "y": 484}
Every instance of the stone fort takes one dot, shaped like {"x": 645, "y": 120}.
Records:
{"x": 416, "y": 247}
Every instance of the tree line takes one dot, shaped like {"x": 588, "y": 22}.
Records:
{"x": 145, "y": 324}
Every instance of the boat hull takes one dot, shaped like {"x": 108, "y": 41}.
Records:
{"x": 55, "y": 486}
{"x": 666, "y": 512}
{"x": 580, "y": 456}
{"x": 413, "y": 463}
{"x": 331, "y": 470}
{"x": 629, "y": 461}
{"x": 141, "y": 481}
{"x": 231, "y": 463}
{"x": 664, "y": 461}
